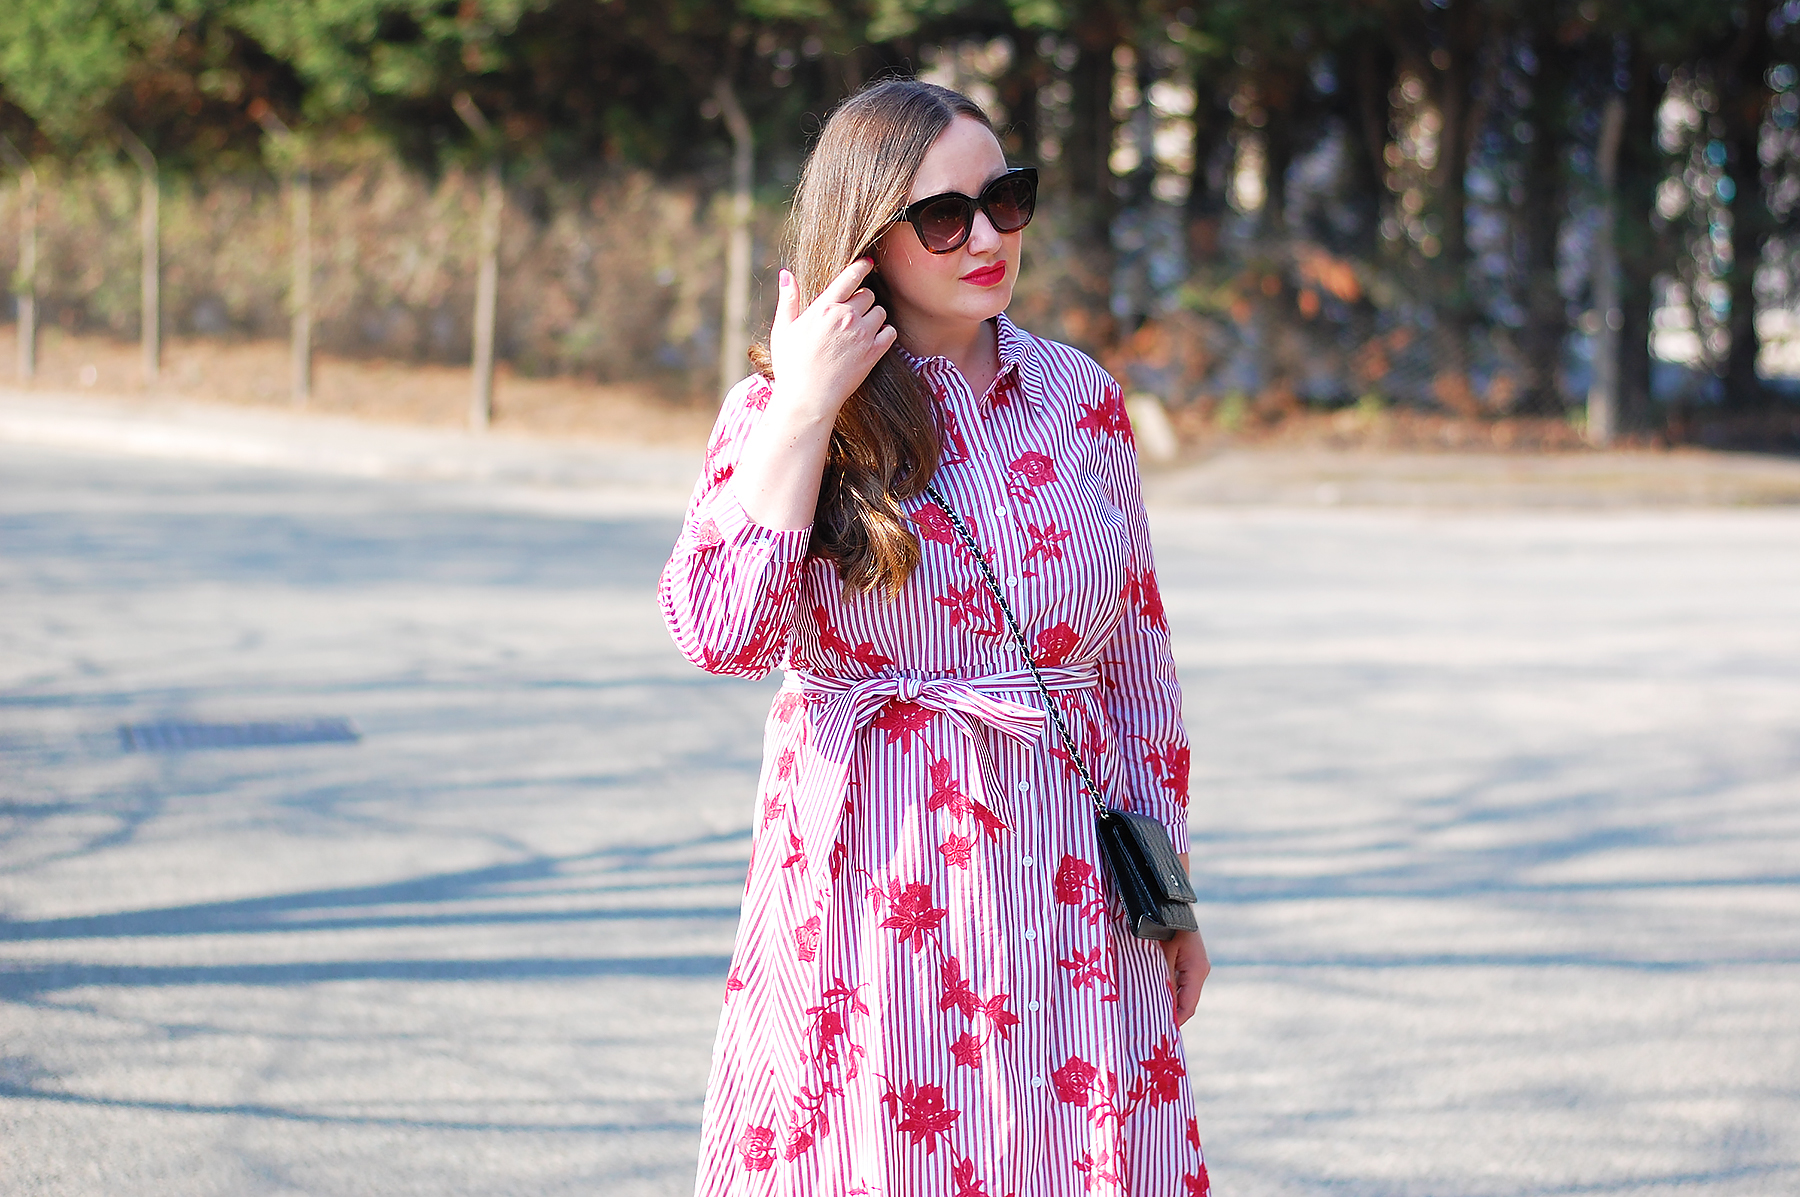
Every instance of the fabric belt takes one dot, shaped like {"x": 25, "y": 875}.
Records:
{"x": 971, "y": 703}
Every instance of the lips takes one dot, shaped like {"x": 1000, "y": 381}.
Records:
{"x": 987, "y": 276}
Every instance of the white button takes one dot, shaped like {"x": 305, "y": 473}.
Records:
{"x": 1034, "y": 1006}
{"x": 1028, "y": 862}
{"x": 1023, "y": 786}
{"x": 1030, "y": 934}
{"x": 1000, "y": 511}
{"x": 1037, "y": 1082}
{"x": 1012, "y": 581}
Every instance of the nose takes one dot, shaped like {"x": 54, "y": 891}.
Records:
{"x": 983, "y": 236}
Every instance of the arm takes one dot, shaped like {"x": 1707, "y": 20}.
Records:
{"x": 732, "y": 585}
{"x": 1138, "y": 688}
{"x": 1142, "y": 699}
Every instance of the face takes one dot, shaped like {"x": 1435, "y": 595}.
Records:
{"x": 966, "y": 285}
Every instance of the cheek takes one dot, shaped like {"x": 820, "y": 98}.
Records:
{"x": 914, "y": 274}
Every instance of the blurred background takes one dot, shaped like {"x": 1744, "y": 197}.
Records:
{"x": 1455, "y": 223}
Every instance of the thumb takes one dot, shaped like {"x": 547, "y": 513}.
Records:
{"x": 787, "y": 300}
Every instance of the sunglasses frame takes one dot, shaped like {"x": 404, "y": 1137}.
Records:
{"x": 975, "y": 203}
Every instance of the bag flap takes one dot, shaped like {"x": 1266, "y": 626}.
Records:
{"x": 1150, "y": 840}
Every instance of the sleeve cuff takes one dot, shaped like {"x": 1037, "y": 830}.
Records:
{"x": 736, "y": 530}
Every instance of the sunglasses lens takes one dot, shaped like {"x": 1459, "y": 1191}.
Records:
{"x": 944, "y": 225}
{"x": 1010, "y": 202}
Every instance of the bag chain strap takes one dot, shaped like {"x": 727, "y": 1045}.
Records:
{"x": 993, "y": 584}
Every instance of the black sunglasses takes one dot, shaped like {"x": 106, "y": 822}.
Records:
{"x": 945, "y": 221}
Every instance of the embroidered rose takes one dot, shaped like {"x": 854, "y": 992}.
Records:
{"x": 1053, "y": 645}
{"x": 757, "y": 1146}
{"x": 1037, "y": 469}
{"x": 1074, "y": 1081}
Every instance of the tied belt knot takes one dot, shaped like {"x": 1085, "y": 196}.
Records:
{"x": 975, "y": 705}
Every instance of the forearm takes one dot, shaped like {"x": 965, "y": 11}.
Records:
{"x": 777, "y": 475}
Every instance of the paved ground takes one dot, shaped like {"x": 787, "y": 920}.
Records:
{"x": 1496, "y": 825}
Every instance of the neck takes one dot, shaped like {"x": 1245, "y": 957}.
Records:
{"x": 972, "y": 348}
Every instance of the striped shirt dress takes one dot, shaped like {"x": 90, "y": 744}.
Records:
{"x": 932, "y": 993}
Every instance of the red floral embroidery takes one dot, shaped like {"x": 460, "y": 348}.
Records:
{"x": 1163, "y": 1072}
{"x": 1074, "y": 1081}
{"x": 975, "y": 607}
{"x": 904, "y": 720}
{"x": 1170, "y": 766}
{"x": 911, "y": 912}
{"x": 946, "y": 792}
{"x": 833, "y": 642}
{"x": 956, "y": 449}
{"x": 1142, "y": 592}
{"x": 1092, "y": 747}
{"x": 958, "y": 850}
{"x": 707, "y": 535}
{"x": 1077, "y": 884}
{"x": 1090, "y": 968}
{"x": 934, "y": 525}
{"x": 919, "y": 1111}
{"x": 1108, "y": 417}
{"x": 757, "y": 1145}
{"x": 1054, "y": 644}
{"x": 1037, "y": 469}
{"x": 963, "y": 1173}
{"x": 1028, "y": 472}
{"x": 1197, "y": 1184}
{"x": 806, "y": 940}
{"x": 1046, "y": 542}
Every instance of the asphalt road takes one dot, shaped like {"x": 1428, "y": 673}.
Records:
{"x": 1497, "y": 829}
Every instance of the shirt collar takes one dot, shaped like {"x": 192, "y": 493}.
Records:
{"x": 1014, "y": 345}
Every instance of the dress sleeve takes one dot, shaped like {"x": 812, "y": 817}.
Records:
{"x": 1138, "y": 689}
{"x": 731, "y": 587}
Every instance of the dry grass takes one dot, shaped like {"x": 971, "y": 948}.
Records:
{"x": 255, "y": 374}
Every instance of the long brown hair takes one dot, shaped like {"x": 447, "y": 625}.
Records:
{"x": 886, "y": 443}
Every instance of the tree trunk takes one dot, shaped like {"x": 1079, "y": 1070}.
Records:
{"x": 25, "y": 282}
{"x": 300, "y": 291}
{"x": 1636, "y": 238}
{"x": 1546, "y": 198}
{"x": 1087, "y": 154}
{"x": 487, "y": 286}
{"x": 1370, "y": 80}
{"x": 1465, "y": 26}
{"x": 150, "y": 279}
{"x": 734, "y": 329}
{"x": 1603, "y": 394}
{"x": 1744, "y": 100}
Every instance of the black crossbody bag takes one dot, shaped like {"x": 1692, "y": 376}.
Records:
{"x": 1140, "y": 857}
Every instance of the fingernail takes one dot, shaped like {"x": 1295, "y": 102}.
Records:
{"x": 787, "y": 280}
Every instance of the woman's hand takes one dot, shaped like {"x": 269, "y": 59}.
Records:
{"x": 1188, "y": 967}
{"x": 821, "y": 354}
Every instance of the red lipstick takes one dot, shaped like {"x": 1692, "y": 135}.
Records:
{"x": 987, "y": 276}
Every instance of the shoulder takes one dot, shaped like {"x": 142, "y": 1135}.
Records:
{"x": 1061, "y": 371}
{"x": 749, "y": 394}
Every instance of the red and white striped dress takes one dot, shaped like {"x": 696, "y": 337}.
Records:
{"x": 931, "y": 993}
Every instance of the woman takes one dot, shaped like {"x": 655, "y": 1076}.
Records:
{"x": 932, "y": 993}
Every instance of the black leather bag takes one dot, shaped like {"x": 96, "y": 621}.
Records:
{"x": 1140, "y": 857}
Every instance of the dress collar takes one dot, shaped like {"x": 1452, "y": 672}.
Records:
{"x": 1015, "y": 351}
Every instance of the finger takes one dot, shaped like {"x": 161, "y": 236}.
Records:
{"x": 787, "y": 300}
{"x": 848, "y": 280}
{"x": 861, "y": 301}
